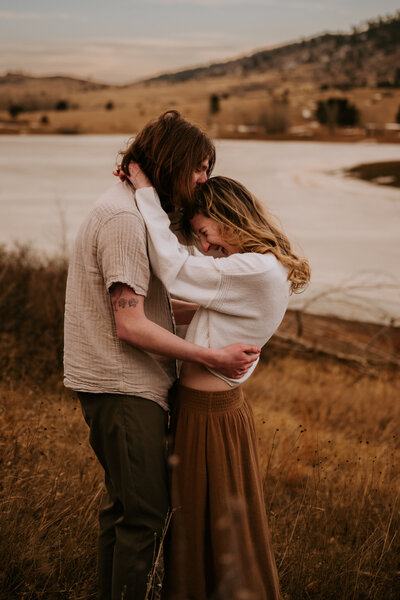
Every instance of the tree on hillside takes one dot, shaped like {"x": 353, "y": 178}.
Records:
{"x": 337, "y": 112}
{"x": 62, "y": 105}
{"x": 396, "y": 80}
{"x": 14, "y": 110}
{"x": 275, "y": 117}
{"x": 214, "y": 104}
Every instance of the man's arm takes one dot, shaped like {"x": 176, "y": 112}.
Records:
{"x": 135, "y": 328}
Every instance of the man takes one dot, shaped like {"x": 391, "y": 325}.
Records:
{"x": 120, "y": 350}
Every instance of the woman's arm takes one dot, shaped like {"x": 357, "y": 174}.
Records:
{"x": 196, "y": 281}
{"x": 190, "y": 278}
{"x": 135, "y": 328}
{"x": 221, "y": 284}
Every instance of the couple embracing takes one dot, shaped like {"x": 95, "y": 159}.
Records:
{"x": 130, "y": 282}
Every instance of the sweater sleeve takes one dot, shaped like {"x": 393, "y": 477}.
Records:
{"x": 233, "y": 285}
{"x": 191, "y": 278}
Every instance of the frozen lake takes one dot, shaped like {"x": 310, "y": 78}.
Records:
{"x": 349, "y": 229}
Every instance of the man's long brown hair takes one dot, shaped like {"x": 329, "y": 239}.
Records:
{"x": 169, "y": 149}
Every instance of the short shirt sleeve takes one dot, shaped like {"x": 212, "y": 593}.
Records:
{"x": 122, "y": 252}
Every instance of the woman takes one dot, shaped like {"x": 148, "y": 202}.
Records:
{"x": 219, "y": 544}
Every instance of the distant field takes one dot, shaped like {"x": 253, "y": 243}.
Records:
{"x": 247, "y": 106}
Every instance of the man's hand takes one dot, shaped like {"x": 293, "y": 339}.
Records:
{"x": 234, "y": 361}
{"x": 133, "y": 327}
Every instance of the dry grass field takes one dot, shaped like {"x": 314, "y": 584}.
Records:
{"x": 329, "y": 449}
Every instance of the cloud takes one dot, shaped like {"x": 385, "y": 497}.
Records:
{"x": 202, "y": 3}
{"x": 303, "y": 4}
{"x": 119, "y": 60}
{"x": 8, "y": 15}
{"x": 17, "y": 16}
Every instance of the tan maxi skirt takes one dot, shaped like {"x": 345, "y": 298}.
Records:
{"x": 218, "y": 545}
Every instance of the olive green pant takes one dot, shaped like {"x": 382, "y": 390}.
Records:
{"x": 128, "y": 435}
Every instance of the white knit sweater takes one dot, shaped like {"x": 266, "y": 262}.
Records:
{"x": 242, "y": 297}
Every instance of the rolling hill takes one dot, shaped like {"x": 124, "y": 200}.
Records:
{"x": 271, "y": 91}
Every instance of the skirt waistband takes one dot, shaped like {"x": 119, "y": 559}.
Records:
{"x": 203, "y": 401}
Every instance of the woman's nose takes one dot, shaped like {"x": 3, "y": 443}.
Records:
{"x": 205, "y": 245}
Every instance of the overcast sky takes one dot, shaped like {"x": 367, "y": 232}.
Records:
{"x": 125, "y": 40}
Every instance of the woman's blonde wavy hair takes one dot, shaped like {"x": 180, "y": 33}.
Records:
{"x": 245, "y": 223}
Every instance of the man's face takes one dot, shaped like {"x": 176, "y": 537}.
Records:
{"x": 199, "y": 175}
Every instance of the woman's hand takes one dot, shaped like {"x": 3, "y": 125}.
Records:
{"x": 119, "y": 173}
{"x": 137, "y": 178}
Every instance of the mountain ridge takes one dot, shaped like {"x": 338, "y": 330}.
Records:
{"x": 381, "y": 35}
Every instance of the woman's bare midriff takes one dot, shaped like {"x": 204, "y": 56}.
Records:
{"x": 197, "y": 377}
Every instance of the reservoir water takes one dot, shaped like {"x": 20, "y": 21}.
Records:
{"x": 349, "y": 229}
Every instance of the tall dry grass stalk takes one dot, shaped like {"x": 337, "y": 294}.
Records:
{"x": 329, "y": 450}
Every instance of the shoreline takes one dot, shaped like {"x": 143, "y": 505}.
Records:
{"x": 361, "y": 343}
{"x": 339, "y": 137}
{"x": 381, "y": 173}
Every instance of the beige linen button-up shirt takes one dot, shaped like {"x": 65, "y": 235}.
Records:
{"x": 111, "y": 247}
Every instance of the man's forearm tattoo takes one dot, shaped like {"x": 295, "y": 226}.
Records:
{"x": 118, "y": 302}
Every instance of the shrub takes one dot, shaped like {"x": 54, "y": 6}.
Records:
{"x": 14, "y": 110}
{"x": 337, "y": 112}
{"x": 384, "y": 83}
{"x": 274, "y": 119}
{"x": 109, "y": 106}
{"x": 214, "y": 104}
{"x": 44, "y": 120}
{"x": 31, "y": 315}
{"x": 62, "y": 105}
{"x": 396, "y": 79}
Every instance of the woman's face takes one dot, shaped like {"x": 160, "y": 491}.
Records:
{"x": 199, "y": 175}
{"x": 209, "y": 235}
